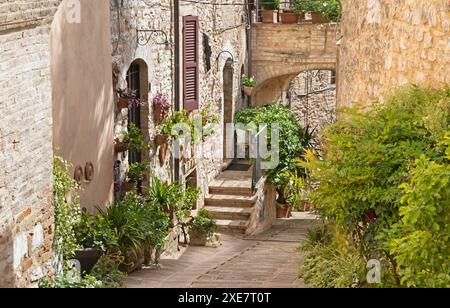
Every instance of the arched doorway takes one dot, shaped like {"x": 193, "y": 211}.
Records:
{"x": 137, "y": 82}
{"x": 227, "y": 109}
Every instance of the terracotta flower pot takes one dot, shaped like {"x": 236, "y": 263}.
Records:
{"x": 248, "y": 90}
{"x": 289, "y": 18}
{"x": 127, "y": 186}
{"x": 269, "y": 16}
{"x": 284, "y": 210}
{"x": 158, "y": 114}
{"x": 197, "y": 239}
{"x": 120, "y": 146}
{"x": 318, "y": 18}
{"x": 123, "y": 103}
{"x": 163, "y": 153}
{"x": 161, "y": 139}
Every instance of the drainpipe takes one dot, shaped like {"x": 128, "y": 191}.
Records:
{"x": 177, "y": 85}
{"x": 249, "y": 44}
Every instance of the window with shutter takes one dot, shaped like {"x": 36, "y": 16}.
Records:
{"x": 190, "y": 62}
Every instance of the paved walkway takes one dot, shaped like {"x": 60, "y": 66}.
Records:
{"x": 266, "y": 260}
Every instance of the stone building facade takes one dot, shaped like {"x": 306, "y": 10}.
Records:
{"x": 222, "y": 51}
{"x": 389, "y": 43}
{"x": 312, "y": 98}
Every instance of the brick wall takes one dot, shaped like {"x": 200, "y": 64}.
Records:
{"x": 25, "y": 142}
{"x": 389, "y": 43}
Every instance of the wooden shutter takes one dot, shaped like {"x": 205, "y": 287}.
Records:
{"x": 190, "y": 62}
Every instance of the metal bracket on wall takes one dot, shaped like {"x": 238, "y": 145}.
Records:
{"x": 145, "y": 35}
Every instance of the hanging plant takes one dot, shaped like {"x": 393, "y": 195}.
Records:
{"x": 128, "y": 99}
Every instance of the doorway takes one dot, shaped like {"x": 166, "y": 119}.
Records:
{"x": 227, "y": 109}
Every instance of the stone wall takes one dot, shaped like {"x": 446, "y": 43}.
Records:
{"x": 312, "y": 97}
{"x": 26, "y": 213}
{"x": 390, "y": 43}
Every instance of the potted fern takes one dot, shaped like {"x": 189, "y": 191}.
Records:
{"x": 269, "y": 13}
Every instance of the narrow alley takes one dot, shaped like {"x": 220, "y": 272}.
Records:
{"x": 267, "y": 260}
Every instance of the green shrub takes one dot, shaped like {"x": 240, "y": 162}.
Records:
{"x": 135, "y": 139}
{"x": 367, "y": 186}
{"x": 308, "y": 5}
{"x": 291, "y": 140}
{"x": 136, "y": 171}
{"x": 270, "y": 4}
{"x": 67, "y": 209}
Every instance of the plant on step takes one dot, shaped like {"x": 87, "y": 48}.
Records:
{"x": 202, "y": 224}
{"x": 136, "y": 171}
{"x": 135, "y": 139}
{"x": 383, "y": 182}
{"x": 270, "y": 4}
{"x": 167, "y": 196}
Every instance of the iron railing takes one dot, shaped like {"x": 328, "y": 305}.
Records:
{"x": 255, "y": 155}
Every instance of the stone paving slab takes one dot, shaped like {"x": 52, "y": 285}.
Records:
{"x": 267, "y": 260}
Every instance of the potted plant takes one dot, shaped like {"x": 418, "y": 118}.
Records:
{"x": 95, "y": 237}
{"x": 128, "y": 99}
{"x": 331, "y": 10}
{"x": 135, "y": 139}
{"x": 314, "y": 7}
{"x": 249, "y": 83}
{"x": 161, "y": 107}
{"x": 269, "y": 13}
{"x": 291, "y": 16}
{"x": 201, "y": 228}
{"x": 135, "y": 174}
{"x": 120, "y": 146}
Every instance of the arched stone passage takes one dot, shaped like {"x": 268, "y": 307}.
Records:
{"x": 274, "y": 65}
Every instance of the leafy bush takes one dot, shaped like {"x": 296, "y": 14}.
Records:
{"x": 135, "y": 139}
{"x": 291, "y": 139}
{"x": 308, "y": 5}
{"x": 331, "y": 10}
{"x": 136, "y": 171}
{"x": 270, "y": 4}
{"x": 203, "y": 224}
{"x": 67, "y": 209}
{"x": 386, "y": 208}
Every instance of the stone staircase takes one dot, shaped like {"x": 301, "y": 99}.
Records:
{"x": 231, "y": 199}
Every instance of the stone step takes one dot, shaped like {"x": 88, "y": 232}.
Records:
{"x": 231, "y": 226}
{"x": 230, "y": 200}
{"x": 231, "y": 190}
{"x": 229, "y": 213}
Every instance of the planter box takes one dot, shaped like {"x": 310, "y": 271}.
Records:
{"x": 197, "y": 239}
{"x": 88, "y": 258}
{"x": 318, "y": 18}
{"x": 269, "y": 16}
{"x": 289, "y": 18}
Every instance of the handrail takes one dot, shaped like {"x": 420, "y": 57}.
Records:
{"x": 256, "y": 155}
